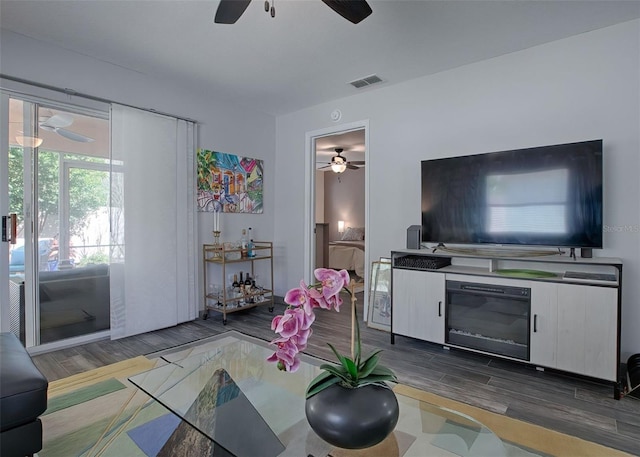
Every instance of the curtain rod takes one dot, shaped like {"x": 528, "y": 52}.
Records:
{"x": 89, "y": 97}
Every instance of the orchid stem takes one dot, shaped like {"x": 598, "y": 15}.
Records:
{"x": 353, "y": 321}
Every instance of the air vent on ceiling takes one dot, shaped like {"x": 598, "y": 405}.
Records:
{"x": 366, "y": 81}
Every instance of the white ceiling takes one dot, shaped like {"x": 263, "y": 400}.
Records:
{"x": 307, "y": 54}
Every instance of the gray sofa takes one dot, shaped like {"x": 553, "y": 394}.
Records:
{"x": 72, "y": 302}
{"x": 23, "y": 398}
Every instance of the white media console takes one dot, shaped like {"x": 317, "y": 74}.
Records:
{"x": 554, "y": 312}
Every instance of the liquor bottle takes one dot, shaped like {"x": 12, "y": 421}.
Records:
{"x": 236, "y": 285}
{"x": 247, "y": 283}
{"x": 250, "y": 251}
{"x": 243, "y": 243}
{"x": 241, "y": 291}
{"x": 247, "y": 288}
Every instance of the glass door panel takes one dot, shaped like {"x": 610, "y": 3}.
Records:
{"x": 15, "y": 184}
{"x": 55, "y": 177}
{"x": 74, "y": 298}
{"x": 73, "y": 220}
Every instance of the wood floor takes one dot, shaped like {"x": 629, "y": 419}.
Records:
{"x": 571, "y": 405}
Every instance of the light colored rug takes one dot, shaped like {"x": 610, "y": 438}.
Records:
{"x": 99, "y": 413}
{"x": 525, "y": 435}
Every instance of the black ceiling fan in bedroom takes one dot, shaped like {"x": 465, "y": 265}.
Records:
{"x": 229, "y": 11}
{"x": 339, "y": 163}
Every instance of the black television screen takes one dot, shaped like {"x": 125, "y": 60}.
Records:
{"x": 543, "y": 196}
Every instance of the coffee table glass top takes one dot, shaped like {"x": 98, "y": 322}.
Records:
{"x": 233, "y": 402}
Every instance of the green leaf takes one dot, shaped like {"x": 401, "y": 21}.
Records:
{"x": 341, "y": 358}
{"x": 321, "y": 387}
{"x": 369, "y": 365}
{"x": 373, "y": 354}
{"x": 339, "y": 372}
{"x": 320, "y": 383}
{"x": 351, "y": 368}
{"x": 373, "y": 380}
{"x": 335, "y": 351}
{"x": 358, "y": 348}
{"x": 322, "y": 377}
{"x": 339, "y": 368}
{"x": 383, "y": 371}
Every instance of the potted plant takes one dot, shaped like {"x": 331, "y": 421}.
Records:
{"x": 349, "y": 404}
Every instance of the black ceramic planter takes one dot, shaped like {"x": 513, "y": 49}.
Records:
{"x": 353, "y": 418}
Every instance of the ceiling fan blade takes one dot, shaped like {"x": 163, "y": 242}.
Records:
{"x": 58, "y": 120}
{"x": 352, "y": 10}
{"x": 326, "y": 166}
{"x": 352, "y": 167}
{"x": 48, "y": 128}
{"x": 74, "y": 136}
{"x": 357, "y": 162}
{"x": 229, "y": 11}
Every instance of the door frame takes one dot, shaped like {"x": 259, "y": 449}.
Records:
{"x": 5, "y": 315}
{"x": 309, "y": 254}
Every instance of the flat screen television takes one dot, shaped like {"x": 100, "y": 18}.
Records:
{"x": 542, "y": 196}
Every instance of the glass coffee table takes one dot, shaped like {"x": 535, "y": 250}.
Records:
{"x": 227, "y": 400}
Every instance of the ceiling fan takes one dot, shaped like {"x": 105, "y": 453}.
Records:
{"x": 339, "y": 163}
{"x": 57, "y": 122}
{"x": 229, "y": 11}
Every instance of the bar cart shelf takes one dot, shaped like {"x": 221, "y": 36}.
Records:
{"x": 225, "y": 302}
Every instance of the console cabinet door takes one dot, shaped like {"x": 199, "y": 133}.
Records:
{"x": 587, "y": 328}
{"x": 418, "y": 304}
{"x": 543, "y": 324}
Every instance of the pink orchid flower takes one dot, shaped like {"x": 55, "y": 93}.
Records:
{"x": 300, "y": 297}
{"x": 300, "y": 340}
{"x": 332, "y": 283}
{"x": 286, "y": 355}
{"x": 292, "y": 322}
{"x": 294, "y": 326}
{"x": 318, "y": 300}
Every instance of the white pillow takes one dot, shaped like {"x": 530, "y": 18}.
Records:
{"x": 353, "y": 234}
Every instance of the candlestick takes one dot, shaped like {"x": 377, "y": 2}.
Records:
{"x": 217, "y": 253}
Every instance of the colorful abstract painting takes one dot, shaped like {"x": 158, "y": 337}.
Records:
{"x": 229, "y": 183}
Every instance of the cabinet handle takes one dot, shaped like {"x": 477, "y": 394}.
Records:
{"x": 439, "y": 309}
{"x": 535, "y": 323}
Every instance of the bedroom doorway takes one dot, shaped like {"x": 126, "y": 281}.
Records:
{"x": 337, "y": 212}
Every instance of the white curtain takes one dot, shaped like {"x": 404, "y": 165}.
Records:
{"x": 153, "y": 227}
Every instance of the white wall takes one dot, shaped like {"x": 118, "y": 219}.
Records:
{"x": 222, "y": 127}
{"x": 580, "y": 88}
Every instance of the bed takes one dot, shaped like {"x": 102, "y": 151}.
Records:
{"x": 347, "y": 255}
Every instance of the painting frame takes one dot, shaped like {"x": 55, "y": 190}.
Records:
{"x": 379, "y": 309}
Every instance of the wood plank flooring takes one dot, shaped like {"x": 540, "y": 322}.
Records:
{"x": 557, "y": 401}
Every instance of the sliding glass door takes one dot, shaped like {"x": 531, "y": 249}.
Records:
{"x": 57, "y": 183}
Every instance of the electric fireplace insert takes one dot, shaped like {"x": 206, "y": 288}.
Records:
{"x": 488, "y": 318}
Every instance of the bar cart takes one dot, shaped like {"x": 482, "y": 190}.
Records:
{"x": 226, "y": 301}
